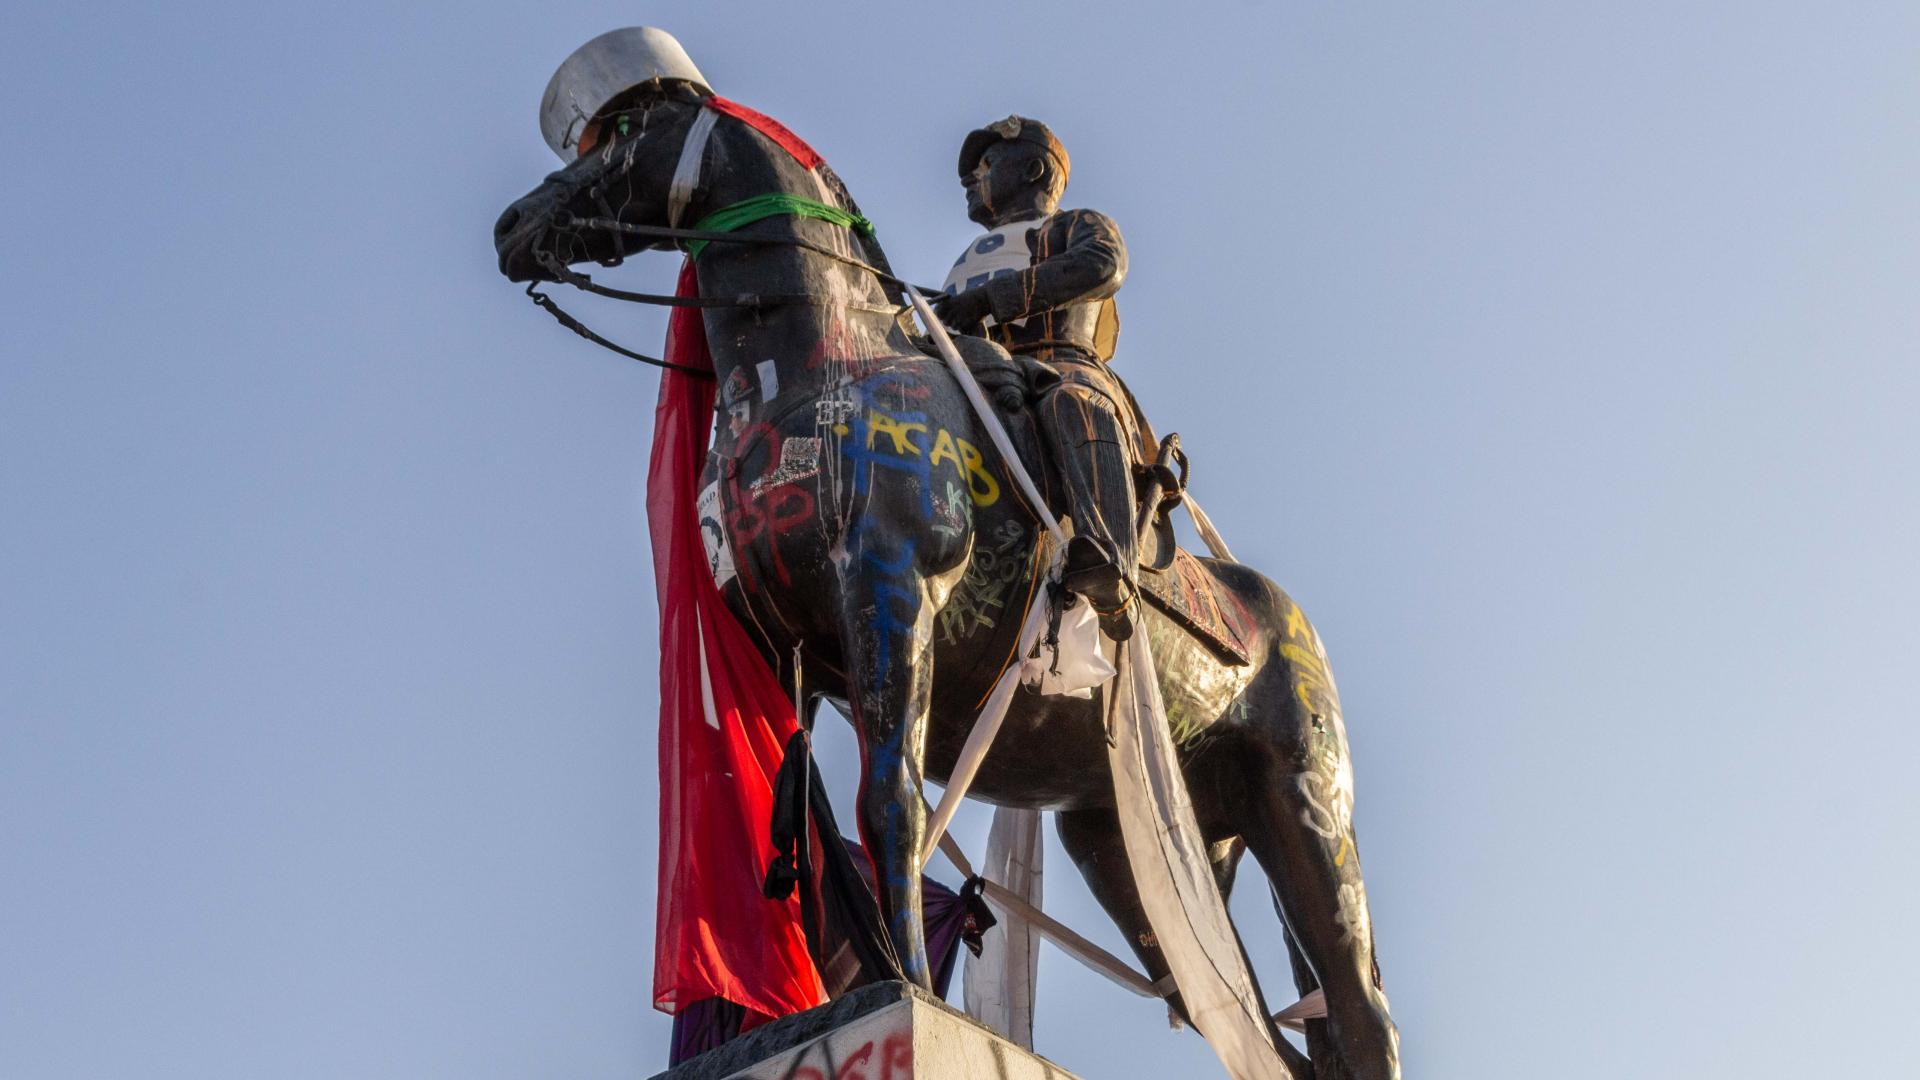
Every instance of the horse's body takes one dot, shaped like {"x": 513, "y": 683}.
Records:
{"x": 869, "y": 523}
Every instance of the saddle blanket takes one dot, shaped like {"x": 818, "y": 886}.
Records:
{"x": 1191, "y": 597}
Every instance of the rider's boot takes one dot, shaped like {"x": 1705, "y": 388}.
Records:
{"x": 1089, "y": 447}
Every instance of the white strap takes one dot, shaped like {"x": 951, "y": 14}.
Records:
{"x": 1012, "y": 904}
{"x": 985, "y": 726}
{"x": 1122, "y": 974}
{"x": 1204, "y": 525}
{"x": 1295, "y": 1016}
{"x": 1170, "y": 868}
{"x": 988, "y": 418}
{"x": 686, "y": 175}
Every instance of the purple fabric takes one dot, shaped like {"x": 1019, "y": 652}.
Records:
{"x": 702, "y": 1026}
{"x": 946, "y": 916}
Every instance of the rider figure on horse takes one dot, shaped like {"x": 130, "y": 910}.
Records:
{"x": 1040, "y": 282}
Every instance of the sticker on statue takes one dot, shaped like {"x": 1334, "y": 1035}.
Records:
{"x": 713, "y": 534}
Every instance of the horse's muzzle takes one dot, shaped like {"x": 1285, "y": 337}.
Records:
{"x": 516, "y": 237}
{"x": 503, "y": 228}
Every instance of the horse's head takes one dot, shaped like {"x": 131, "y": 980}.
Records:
{"x": 623, "y": 173}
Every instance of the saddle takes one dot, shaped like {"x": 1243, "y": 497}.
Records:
{"x": 1170, "y": 577}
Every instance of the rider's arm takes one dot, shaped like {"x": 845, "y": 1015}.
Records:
{"x": 1078, "y": 255}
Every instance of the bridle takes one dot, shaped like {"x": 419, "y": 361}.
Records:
{"x": 685, "y": 182}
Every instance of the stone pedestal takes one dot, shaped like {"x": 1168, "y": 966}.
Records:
{"x": 888, "y": 1031}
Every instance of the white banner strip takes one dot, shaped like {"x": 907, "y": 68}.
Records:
{"x": 1175, "y": 879}
{"x": 1000, "y": 982}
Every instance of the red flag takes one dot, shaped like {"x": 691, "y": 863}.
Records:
{"x": 724, "y": 720}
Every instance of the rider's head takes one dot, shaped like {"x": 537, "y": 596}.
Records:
{"x": 1012, "y": 169}
{"x": 618, "y": 71}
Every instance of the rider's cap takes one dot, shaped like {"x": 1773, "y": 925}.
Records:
{"x": 603, "y": 69}
{"x": 1012, "y": 129}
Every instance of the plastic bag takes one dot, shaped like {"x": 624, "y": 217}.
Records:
{"x": 1079, "y": 665}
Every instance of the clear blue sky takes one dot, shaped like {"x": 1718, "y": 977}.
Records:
{"x": 1560, "y": 359}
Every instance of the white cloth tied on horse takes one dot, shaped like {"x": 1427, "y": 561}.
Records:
{"x": 1174, "y": 877}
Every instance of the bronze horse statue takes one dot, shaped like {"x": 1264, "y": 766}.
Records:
{"x": 871, "y": 527}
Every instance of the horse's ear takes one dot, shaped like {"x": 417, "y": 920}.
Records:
{"x": 654, "y": 92}
{"x": 678, "y": 91}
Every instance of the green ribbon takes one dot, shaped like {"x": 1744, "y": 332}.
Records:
{"x": 774, "y": 204}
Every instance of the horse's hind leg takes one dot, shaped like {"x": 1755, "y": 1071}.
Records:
{"x": 1319, "y": 1041}
{"x": 1092, "y": 839}
{"x": 1300, "y": 829}
{"x": 887, "y": 635}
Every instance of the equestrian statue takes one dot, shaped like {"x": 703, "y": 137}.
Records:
{"x": 867, "y": 535}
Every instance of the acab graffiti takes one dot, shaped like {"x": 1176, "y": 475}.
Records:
{"x": 905, "y": 442}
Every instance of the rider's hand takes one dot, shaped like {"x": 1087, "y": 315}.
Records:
{"x": 963, "y": 311}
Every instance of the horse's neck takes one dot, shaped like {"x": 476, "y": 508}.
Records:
{"x": 801, "y": 346}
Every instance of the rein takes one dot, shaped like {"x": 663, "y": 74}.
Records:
{"x": 560, "y": 314}
{"x": 698, "y": 239}
{"x": 742, "y": 214}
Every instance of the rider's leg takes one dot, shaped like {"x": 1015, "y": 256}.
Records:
{"x": 1089, "y": 443}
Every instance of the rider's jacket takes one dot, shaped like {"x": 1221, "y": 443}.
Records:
{"x": 1051, "y": 282}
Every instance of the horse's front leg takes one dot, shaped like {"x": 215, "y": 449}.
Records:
{"x": 887, "y": 633}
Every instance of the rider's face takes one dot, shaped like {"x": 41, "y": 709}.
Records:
{"x": 1000, "y": 182}
{"x": 976, "y": 188}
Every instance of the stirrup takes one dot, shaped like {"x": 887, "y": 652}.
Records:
{"x": 1117, "y": 623}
